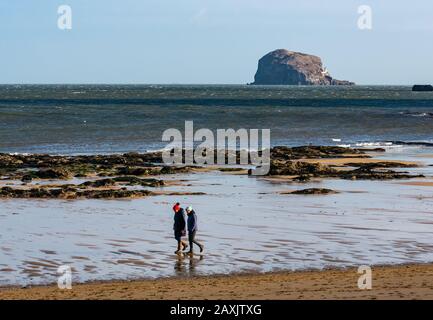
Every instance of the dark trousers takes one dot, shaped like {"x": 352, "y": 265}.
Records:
{"x": 191, "y": 239}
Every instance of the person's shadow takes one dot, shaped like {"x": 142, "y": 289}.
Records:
{"x": 184, "y": 260}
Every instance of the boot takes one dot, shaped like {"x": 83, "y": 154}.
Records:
{"x": 179, "y": 247}
{"x": 185, "y": 245}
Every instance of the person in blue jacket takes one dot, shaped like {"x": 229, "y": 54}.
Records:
{"x": 192, "y": 230}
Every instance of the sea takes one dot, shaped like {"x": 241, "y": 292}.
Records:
{"x": 82, "y": 119}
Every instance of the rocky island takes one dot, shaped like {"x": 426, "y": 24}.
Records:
{"x": 422, "y": 87}
{"x": 284, "y": 67}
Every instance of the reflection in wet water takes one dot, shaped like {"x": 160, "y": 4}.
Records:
{"x": 185, "y": 265}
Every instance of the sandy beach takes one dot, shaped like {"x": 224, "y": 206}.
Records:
{"x": 388, "y": 282}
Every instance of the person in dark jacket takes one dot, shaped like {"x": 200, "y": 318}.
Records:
{"x": 192, "y": 230}
{"x": 179, "y": 228}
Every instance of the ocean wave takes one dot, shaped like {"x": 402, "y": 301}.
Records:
{"x": 387, "y": 144}
{"x": 418, "y": 114}
{"x": 374, "y": 144}
{"x": 19, "y": 154}
{"x": 413, "y": 143}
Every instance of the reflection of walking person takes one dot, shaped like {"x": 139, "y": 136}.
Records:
{"x": 192, "y": 230}
{"x": 179, "y": 228}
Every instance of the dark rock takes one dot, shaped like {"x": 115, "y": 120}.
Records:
{"x": 283, "y": 67}
{"x": 299, "y": 168}
{"x": 380, "y": 164}
{"x": 71, "y": 193}
{"x": 173, "y": 170}
{"x": 130, "y": 180}
{"x": 142, "y": 182}
{"x": 27, "y": 178}
{"x": 366, "y": 173}
{"x": 135, "y": 171}
{"x": 302, "y": 178}
{"x": 186, "y": 193}
{"x": 313, "y": 191}
{"x": 133, "y": 164}
{"x": 112, "y": 194}
{"x": 98, "y": 183}
{"x": 52, "y": 173}
{"x": 230, "y": 169}
{"x": 422, "y": 87}
{"x": 48, "y": 161}
{"x": 314, "y": 152}
{"x": 280, "y": 165}
{"x": 371, "y": 149}
{"x": 10, "y": 161}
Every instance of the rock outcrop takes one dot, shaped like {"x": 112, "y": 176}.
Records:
{"x": 286, "y": 161}
{"x": 312, "y": 191}
{"x": 284, "y": 67}
{"x": 422, "y": 87}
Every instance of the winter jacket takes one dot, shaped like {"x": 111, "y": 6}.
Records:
{"x": 179, "y": 221}
{"x": 192, "y": 221}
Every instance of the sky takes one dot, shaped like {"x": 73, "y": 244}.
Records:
{"x": 211, "y": 41}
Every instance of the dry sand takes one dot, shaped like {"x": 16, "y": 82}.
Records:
{"x": 389, "y": 282}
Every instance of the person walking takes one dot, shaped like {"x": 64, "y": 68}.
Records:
{"x": 192, "y": 230}
{"x": 179, "y": 228}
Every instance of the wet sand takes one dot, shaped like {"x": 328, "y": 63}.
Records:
{"x": 388, "y": 282}
{"x": 348, "y": 160}
{"x": 425, "y": 156}
{"x": 419, "y": 183}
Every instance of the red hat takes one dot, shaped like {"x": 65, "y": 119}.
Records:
{"x": 176, "y": 207}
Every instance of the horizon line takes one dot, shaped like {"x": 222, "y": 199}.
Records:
{"x": 201, "y": 84}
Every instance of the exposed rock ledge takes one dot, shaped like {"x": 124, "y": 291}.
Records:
{"x": 284, "y": 67}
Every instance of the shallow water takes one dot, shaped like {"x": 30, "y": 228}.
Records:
{"x": 244, "y": 223}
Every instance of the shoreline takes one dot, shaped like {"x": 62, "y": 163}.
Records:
{"x": 405, "y": 281}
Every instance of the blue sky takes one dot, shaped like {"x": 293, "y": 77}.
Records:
{"x": 218, "y": 41}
